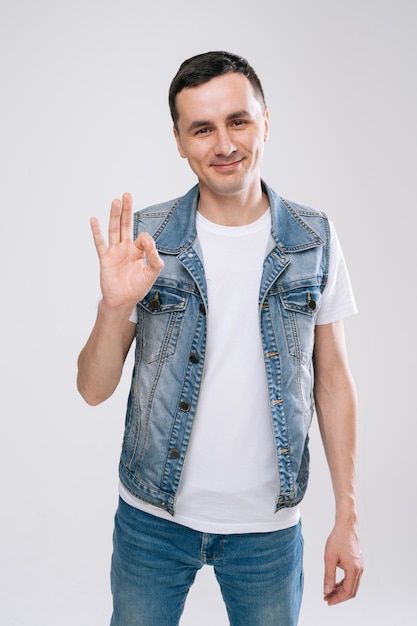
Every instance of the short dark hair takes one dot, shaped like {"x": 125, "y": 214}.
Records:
{"x": 201, "y": 68}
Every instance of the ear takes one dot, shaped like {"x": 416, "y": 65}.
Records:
{"x": 179, "y": 146}
{"x": 266, "y": 133}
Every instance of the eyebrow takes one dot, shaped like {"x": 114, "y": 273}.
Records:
{"x": 232, "y": 116}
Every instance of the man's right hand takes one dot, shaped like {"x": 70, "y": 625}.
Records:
{"x": 128, "y": 269}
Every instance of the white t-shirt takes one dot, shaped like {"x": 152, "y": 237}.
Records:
{"x": 230, "y": 481}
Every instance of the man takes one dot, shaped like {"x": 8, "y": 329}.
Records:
{"x": 234, "y": 296}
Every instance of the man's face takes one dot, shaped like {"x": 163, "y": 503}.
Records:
{"x": 222, "y": 128}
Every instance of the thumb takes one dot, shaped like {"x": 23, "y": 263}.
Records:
{"x": 328, "y": 588}
{"x": 329, "y": 578}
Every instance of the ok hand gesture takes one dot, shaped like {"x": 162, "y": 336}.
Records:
{"x": 128, "y": 269}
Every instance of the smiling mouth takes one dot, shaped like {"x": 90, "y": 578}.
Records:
{"x": 228, "y": 164}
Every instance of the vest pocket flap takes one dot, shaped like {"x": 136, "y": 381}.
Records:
{"x": 163, "y": 299}
{"x": 301, "y": 299}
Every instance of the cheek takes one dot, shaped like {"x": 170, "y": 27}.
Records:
{"x": 196, "y": 152}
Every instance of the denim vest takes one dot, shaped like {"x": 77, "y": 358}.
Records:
{"x": 171, "y": 340}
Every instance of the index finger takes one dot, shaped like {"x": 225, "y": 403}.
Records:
{"x": 351, "y": 582}
{"x": 345, "y": 589}
{"x": 126, "y": 218}
{"x": 99, "y": 242}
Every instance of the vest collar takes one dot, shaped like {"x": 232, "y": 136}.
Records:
{"x": 291, "y": 233}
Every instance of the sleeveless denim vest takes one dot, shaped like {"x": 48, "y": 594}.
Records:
{"x": 171, "y": 339}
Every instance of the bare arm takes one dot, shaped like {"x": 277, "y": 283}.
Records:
{"x": 128, "y": 270}
{"x": 335, "y": 396}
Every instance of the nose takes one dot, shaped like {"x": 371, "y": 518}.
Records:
{"x": 224, "y": 145}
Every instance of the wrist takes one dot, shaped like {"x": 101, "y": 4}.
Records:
{"x": 346, "y": 515}
{"x": 113, "y": 317}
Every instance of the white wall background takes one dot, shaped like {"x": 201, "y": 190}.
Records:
{"x": 84, "y": 117}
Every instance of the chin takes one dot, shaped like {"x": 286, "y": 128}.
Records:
{"x": 228, "y": 187}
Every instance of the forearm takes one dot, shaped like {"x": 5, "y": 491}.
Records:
{"x": 337, "y": 416}
{"x": 100, "y": 363}
{"x": 335, "y": 396}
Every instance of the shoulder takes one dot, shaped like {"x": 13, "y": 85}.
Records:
{"x": 281, "y": 205}
{"x": 155, "y": 212}
{"x": 171, "y": 223}
{"x": 303, "y": 209}
{"x": 296, "y": 225}
{"x": 152, "y": 217}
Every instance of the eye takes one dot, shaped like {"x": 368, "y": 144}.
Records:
{"x": 202, "y": 131}
{"x": 238, "y": 123}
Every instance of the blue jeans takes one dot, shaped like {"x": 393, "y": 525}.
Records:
{"x": 155, "y": 562}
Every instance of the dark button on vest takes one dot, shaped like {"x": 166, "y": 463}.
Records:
{"x": 154, "y": 304}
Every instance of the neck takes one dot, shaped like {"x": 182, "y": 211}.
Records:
{"x": 234, "y": 210}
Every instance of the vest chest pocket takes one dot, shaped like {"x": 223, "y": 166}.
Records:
{"x": 299, "y": 306}
{"x": 160, "y": 316}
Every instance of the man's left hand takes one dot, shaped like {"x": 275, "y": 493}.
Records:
{"x": 342, "y": 551}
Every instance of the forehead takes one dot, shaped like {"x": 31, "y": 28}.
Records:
{"x": 217, "y": 98}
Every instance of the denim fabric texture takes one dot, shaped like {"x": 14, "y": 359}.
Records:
{"x": 171, "y": 340}
{"x": 155, "y": 562}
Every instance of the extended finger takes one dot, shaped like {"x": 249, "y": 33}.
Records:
{"x": 126, "y": 218}
{"x": 114, "y": 223}
{"x": 99, "y": 242}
